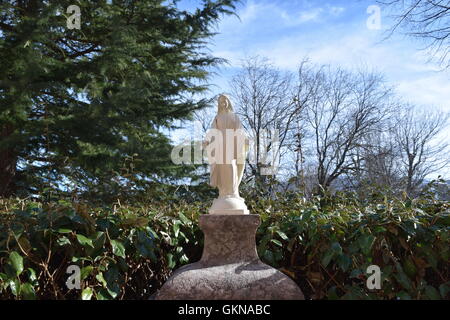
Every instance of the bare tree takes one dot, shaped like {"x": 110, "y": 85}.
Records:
{"x": 347, "y": 106}
{"x": 421, "y": 155}
{"x": 263, "y": 98}
{"x": 305, "y": 90}
{"x": 335, "y": 124}
{"x": 376, "y": 163}
{"x": 428, "y": 20}
{"x": 203, "y": 118}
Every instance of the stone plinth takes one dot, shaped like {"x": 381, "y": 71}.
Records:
{"x": 230, "y": 268}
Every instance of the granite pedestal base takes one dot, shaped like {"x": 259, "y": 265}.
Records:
{"x": 230, "y": 268}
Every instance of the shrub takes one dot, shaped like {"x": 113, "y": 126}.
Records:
{"x": 127, "y": 252}
{"x": 327, "y": 250}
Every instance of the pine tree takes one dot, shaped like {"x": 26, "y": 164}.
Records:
{"x": 76, "y": 104}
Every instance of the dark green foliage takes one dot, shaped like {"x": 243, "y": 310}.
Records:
{"x": 122, "y": 252}
{"x": 127, "y": 252}
{"x": 328, "y": 249}
{"x": 75, "y": 105}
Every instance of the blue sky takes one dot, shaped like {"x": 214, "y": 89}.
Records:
{"x": 333, "y": 31}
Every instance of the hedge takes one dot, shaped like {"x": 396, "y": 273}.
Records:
{"x": 127, "y": 252}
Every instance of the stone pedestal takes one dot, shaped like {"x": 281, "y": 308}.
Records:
{"x": 230, "y": 268}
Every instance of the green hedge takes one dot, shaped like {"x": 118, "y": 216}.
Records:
{"x": 127, "y": 252}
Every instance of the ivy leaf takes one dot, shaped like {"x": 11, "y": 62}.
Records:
{"x": 86, "y": 294}
{"x": 15, "y": 287}
{"x": 118, "y": 248}
{"x": 62, "y": 230}
{"x": 85, "y": 272}
{"x": 16, "y": 261}
{"x": 32, "y": 275}
{"x": 63, "y": 241}
{"x": 27, "y": 291}
{"x": 277, "y": 242}
{"x": 282, "y": 235}
{"x": 101, "y": 279}
{"x": 84, "y": 241}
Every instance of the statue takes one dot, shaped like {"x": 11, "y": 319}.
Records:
{"x": 227, "y": 146}
{"x": 230, "y": 268}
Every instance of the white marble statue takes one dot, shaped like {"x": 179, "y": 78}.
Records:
{"x": 228, "y": 147}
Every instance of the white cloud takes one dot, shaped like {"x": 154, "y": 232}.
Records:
{"x": 310, "y": 15}
{"x": 251, "y": 12}
{"x": 348, "y": 44}
{"x": 264, "y": 12}
{"x": 430, "y": 90}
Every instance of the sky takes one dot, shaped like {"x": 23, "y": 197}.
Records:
{"x": 340, "y": 32}
{"x": 334, "y": 31}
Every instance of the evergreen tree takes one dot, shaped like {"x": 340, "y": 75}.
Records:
{"x": 76, "y": 104}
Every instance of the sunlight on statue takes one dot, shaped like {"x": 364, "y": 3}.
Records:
{"x": 227, "y": 148}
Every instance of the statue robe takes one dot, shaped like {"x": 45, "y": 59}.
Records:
{"x": 228, "y": 176}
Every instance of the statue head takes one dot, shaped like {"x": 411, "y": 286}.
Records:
{"x": 224, "y": 104}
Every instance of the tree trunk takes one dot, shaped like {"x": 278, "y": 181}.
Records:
{"x": 8, "y": 161}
